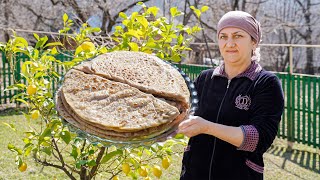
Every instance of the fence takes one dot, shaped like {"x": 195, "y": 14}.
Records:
{"x": 300, "y": 121}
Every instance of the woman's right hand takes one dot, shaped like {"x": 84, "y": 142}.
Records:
{"x": 193, "y": 126}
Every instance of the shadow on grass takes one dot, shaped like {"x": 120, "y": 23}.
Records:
{"x": 303, "y": 158}
{"x": 12, "y": 111}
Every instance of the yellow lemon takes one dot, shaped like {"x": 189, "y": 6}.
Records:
{"x": 23, "y": 167}
{"x": 115, "y": 178}
{"x": 165, "y": 162}
{"x": 35, "y": 114}
{"x": 31, "y": 89}
{"x": 126, "y": 168}
{"x": 87, "y": 46}
{"x": 143, "y": 171}
{"x": 157, "y": 171}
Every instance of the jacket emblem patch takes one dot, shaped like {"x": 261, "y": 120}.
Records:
{"x": 243, "y": 102}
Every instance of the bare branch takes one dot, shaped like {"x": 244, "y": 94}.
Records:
{"x": 83, "y": 16}
{"x": 94, "y": 168}
{"x": 128, "y": 7}
{"x": 301, "y": 5}
{"x": 35, "y": 13}
{"x": 314, "y": 4}
{"x": 260, "y": 2}
{"x": 57, "y": 2}
{"x": 45, "y": 163}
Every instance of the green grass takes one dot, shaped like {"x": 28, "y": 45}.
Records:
{"x": 8, "y": 168}
{"x": 300, "y": 163}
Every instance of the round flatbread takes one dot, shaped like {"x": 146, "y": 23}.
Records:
{"x": 123, "y": 96}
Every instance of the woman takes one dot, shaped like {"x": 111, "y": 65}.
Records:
{"x": 240, "y": 107}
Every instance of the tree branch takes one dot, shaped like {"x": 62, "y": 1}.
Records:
{"x": 57, "y": 149}
{"x": 301, "y": 5}
{"x": 57, "y": 2}
{"x": 82, "y": 16}
{"x": 35, "y": 13}
{"x": 300, "y": 34}
{"x": 199, "y": 19}
{"x": 45, "y": 163}
{"x": 94, "y": 168}
{"x": 126, "y": 8}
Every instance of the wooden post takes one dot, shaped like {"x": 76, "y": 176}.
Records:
{"x": 290, "y": 109}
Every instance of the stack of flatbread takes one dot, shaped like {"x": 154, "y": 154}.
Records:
{"x": 123, "y": 95}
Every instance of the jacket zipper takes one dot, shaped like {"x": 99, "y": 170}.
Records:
{"x": 217, "y": 120}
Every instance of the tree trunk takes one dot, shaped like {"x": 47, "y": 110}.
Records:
{"x": 309, "y": 51}
{"x": 6, "y": 15}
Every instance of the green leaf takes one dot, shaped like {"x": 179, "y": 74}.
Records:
{"x": 151, "y": 44}
{"x": 35, "y": 54}
{"x": 47, "y": 150}
{"x": 176, "y": 58}
{"x": 110, "y": 155}
{"x": 125, "y": 22}
{"x": 134, "y": 46}
{"x": 18, "y": 161}
{"x": 23, "y": 101}
{"x": 11, "y": 126}
{"x": 36, "y": 36}
{"x": 11, "y": 147}
{"x": 119, "y": 28}
{"x": 78, "y": 50}
{"x": 192, "y": 7}
{"x": 55, "y": 74}
{"x": 92, "y": 163}
{"x": 141, "y": 4}
{"x": 74, "y": 152}
{"x": 122, "y": 15}
{"x": 92, "y": 151}
{"x": 21, "y": 41}
{"x": 134, "y": 15}
{"x": 179, "y": 136}
{"x": 133, "y": 33}
{"x": 66, "y": 137}
{"x": 42, "y": 42}
{"x": 46, "y": 132}
{"x": 198, "y": 12}
{"x": 15, "y": 87}
{"x": 173, "y": 11}
{"x": 20, "y": 86}
{"x": 82, "y": 162}
{"x": 196, "y": 29}
{"x": 53, "y": 44}
{"x": 154, "y": 10}
{"x": 143, "y": 21}
{"x": 54, "y": 51}
{"x": 180, "y": 39}
{"x": 28, "y": 150}
{"x": 95, "y": 29}
{"x": 65, "y": 17}
{"x": 204, "y": 8}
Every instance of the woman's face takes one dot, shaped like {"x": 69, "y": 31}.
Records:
{"x": 235, "y": 46}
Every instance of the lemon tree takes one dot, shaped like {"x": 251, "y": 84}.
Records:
{"x": 52, "y": 143}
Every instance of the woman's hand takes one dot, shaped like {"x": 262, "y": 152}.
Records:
{"x": 193, "y": 126}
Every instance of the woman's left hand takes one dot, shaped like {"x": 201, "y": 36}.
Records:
{"x": 193, "y": 126}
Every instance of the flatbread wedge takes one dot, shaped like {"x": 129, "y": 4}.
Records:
{"x": 146, "y": 72}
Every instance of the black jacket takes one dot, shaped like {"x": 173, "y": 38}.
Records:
{"x": 253, "y": 99}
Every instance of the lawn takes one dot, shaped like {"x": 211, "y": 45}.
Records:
{"x": 300, "y": 163}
